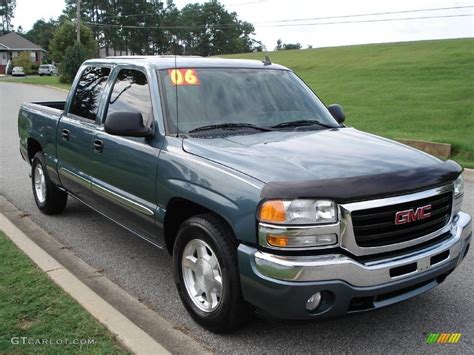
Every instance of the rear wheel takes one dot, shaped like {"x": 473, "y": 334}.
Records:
{"x": 48, "y": 197}
{"x": 207, "y": 275}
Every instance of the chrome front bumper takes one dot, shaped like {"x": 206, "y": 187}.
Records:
{"x": 341, "y": 267}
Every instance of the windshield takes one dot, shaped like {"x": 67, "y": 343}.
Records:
{"x": 260, "y": 97}
{"x": 44, "y": 66}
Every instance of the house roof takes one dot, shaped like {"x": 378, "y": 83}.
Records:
{"x": 14, "y": 41}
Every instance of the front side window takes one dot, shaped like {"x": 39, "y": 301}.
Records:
{"x": 85, "y": 101}
{"x": 131, "y": 93}
{"x": 215, "y": 96}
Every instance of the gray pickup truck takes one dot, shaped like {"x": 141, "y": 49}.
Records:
{"x": 265, "y": 199}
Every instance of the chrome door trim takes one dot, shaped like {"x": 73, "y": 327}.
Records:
{"x": 158, "y": 245}
{"x": 348, "y": 241}
{"x": 75, "y": 177}
{"x": 111, "y": 195}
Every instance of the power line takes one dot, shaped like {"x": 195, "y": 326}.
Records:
{"x": 157, "y": 14}
{"x": 282, "y": 25}
{"x": 367, "y": 21}
{"x": 371, "y": 14}
{"x": 246, "y": 3}
{"x": 315, "y": 18}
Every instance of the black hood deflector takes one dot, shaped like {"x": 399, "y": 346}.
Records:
{"x": 359, "y": 188}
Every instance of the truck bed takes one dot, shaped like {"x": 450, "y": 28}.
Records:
{"x": 38, "y": 121}
{"x": 58, "y": 105}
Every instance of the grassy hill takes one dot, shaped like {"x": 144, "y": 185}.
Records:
{"x": 418, "y": 90}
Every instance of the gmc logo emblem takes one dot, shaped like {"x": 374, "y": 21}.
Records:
{"x": 408, "y": 216}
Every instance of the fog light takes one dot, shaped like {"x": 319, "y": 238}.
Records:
{"x": 313, "y": 302}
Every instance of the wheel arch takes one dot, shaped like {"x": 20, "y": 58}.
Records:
{"x": 180, "y": 209}
{"x": 33, "y": 147}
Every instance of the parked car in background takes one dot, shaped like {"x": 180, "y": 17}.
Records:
{"x": 47, "y": 69}
{"x": 18, "y": 71}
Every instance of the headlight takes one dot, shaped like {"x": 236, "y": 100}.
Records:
{"x": 459, "y": 186}
{"x": 298, "y": 224}
{"x": 298, "y": 212}
{"x": 458, "y": 194}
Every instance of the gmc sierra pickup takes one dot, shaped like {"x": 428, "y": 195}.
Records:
{"x": 265, "y": 199}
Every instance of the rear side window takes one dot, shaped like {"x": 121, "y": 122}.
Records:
{"x": 131, "y": 93}
{"x": 85, "y": 102}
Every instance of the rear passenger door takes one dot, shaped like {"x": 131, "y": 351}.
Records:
{"x": 124, "y": 181}
{"x": 76, "y": 130}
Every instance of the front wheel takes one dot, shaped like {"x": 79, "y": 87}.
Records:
{"x": 48, "y": 198}
{"x": 207, "y": 275}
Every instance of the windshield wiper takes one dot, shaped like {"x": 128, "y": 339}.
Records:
{"x": 230, "y": 126}
{"x": 300, "y": 123}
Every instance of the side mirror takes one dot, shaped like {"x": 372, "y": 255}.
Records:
{"x": 337, "y": 112}
{"x": 128, "y": 124}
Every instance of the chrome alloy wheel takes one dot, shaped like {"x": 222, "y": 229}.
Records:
{"x": 202, "y": 275}
{"x": 40, "y": 184}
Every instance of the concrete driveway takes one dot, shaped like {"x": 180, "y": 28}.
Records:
{"x": 146, "y": 273}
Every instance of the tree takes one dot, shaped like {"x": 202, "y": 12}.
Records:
{"x": 157, "y": 26}
{"x": 23, "y": 60}
{"x": 65, "y": 36}
{"x": 7, "y": 9}
{"x": 42, "y": 32}
{"x": 279, "y": 45}
{"x": 292, "y": 46}
{"x": 74, "y": 56}
{"x": 209, "y": 29}
{"x": 286, "y": 46}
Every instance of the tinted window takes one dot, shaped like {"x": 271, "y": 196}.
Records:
{"x": 86, "y": 98}
{"x": 131, "y": 94}
{"x": 263, "y": 97}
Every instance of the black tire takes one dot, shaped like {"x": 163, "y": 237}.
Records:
{"x": 54, "y": 200}
{"x": 232, "y": 311}
{"x": 41, "y": 75}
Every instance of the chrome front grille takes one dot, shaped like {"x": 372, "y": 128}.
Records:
{"x": 369, "y": 227}
{"x": 376, "y": 226}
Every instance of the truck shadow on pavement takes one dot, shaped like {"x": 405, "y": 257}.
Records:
{"x": 146, "y": 273}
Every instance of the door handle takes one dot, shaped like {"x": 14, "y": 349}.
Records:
{"x": 65, "y": 134}
{"x": 98, "y": 145}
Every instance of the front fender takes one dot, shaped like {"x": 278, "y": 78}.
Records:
{"x": 230, "y": 194}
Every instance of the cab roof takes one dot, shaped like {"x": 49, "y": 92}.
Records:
{"x": 168, "y": 62}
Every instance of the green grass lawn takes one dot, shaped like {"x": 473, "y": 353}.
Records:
{"x": 417, "y": 90}
{"x": 38, "y": 80}
{"x": 32, "y": 306}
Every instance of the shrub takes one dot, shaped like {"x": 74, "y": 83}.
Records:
{"x": 74, "y": 56}
{"x": 23, "y": 60}
{"x": 65, "y": 36}
{"x": 34, "y": 68}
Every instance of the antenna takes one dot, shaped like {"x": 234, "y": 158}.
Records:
{"x": 176, "y": 88}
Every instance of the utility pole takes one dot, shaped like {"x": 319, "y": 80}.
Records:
{"x": 78, "y": 21}
{"x": 6, "y": 18}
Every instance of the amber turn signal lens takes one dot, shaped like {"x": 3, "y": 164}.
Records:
{"x": 272, "y": 211}
{"x": 277, "y": 240}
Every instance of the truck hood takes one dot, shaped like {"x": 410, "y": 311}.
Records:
{"x": 315, "y": 155}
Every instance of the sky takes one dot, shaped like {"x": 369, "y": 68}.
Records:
{"x": 264, "y": 13}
